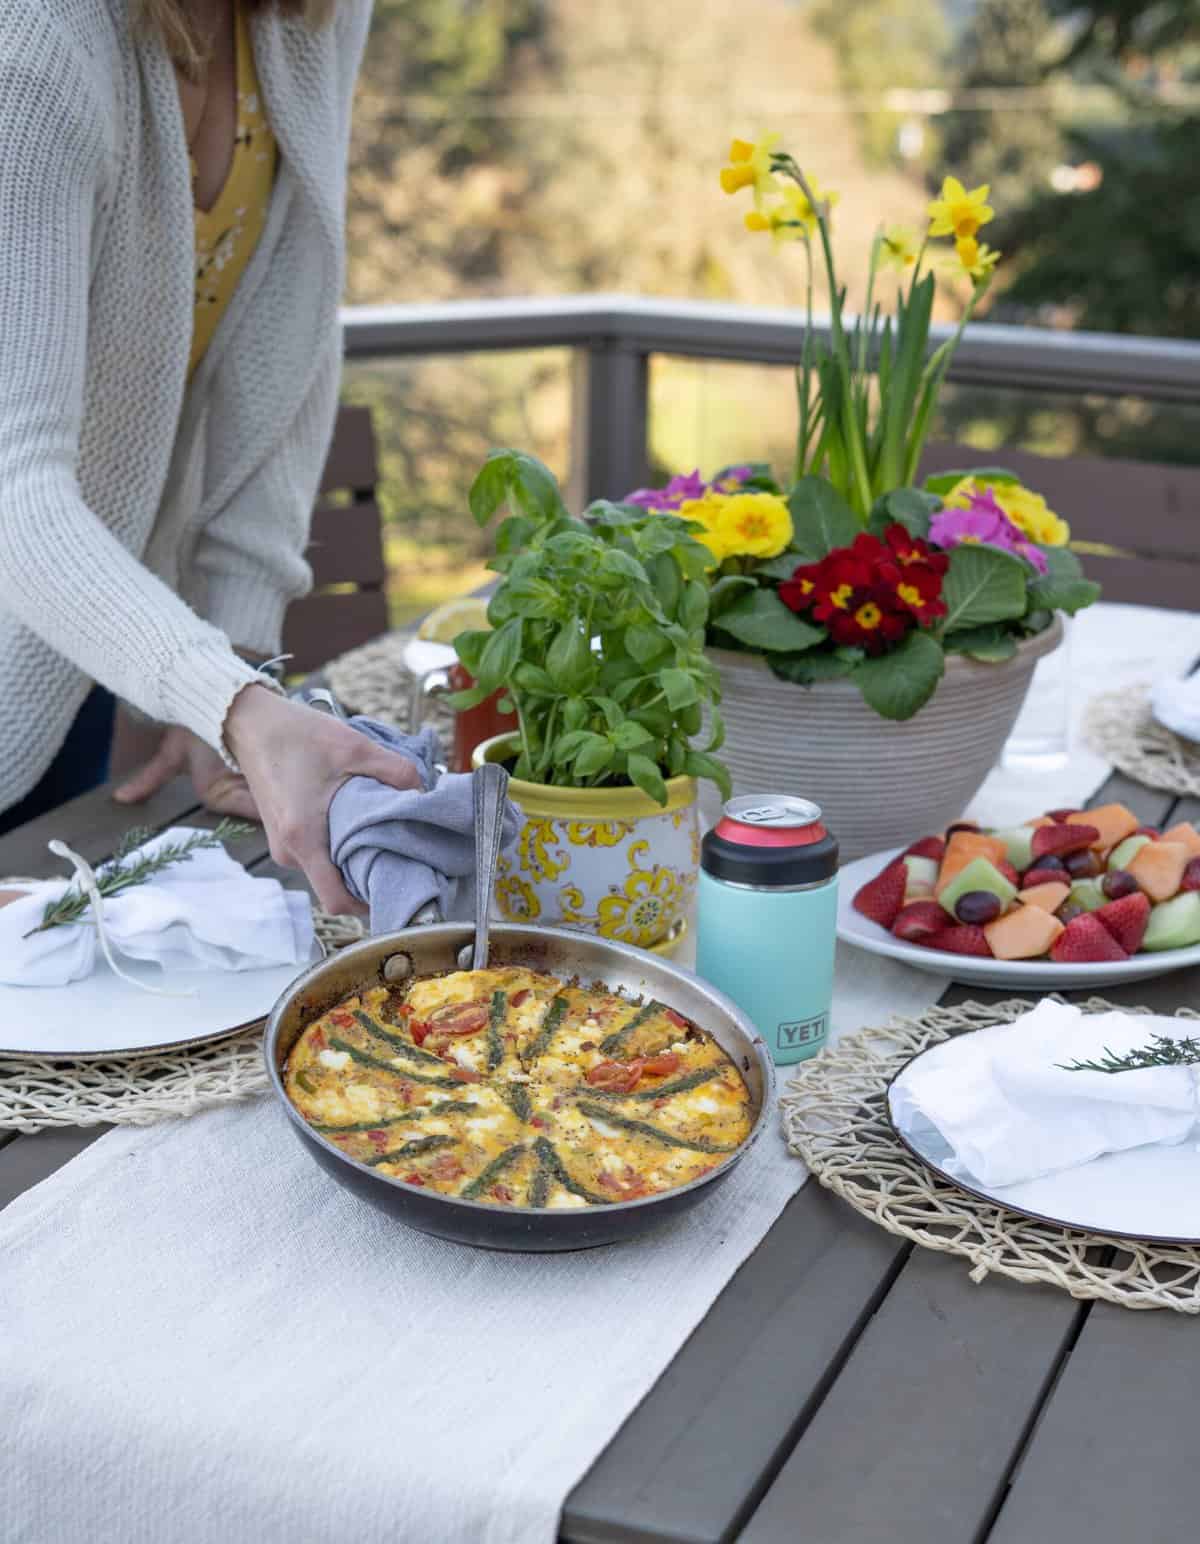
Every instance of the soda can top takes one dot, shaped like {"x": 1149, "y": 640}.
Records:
{"x": 770, "y": 841}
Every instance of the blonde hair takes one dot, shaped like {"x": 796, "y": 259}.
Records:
{"x": 180, "y": 25}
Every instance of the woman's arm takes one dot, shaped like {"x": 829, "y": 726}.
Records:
{"x": 62, "y": 572}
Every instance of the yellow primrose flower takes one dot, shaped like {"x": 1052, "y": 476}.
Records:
{"x": 793, "y": 218}
{"x": 975, "y": 258}
{"x": 749, "y": 525}
{"x": 1027, "y": 510}
{"x": 898, "y": 247}
{"x": 703, "y": 512}
{"x": 750, "y": 166}
{"x": 959, "y": 213}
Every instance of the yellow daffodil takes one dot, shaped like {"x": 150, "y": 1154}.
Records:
{"x": 1027, "y": 510}
{"x": 793, "y": 217}
{"x": 959, "y": 213}
{"x": 741, "y": 525}
{"x": 750, "y": 167}
{"x": 898, "y": 247}
{"x": 974, "y": 258}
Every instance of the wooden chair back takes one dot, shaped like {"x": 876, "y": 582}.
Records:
{"x": 347, "y": 605}
{"x": 1149, "y": 511}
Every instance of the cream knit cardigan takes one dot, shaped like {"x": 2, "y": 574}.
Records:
{"x": 145, "y": 524}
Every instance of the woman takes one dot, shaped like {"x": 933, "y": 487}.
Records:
{"x": 172, "y": 182}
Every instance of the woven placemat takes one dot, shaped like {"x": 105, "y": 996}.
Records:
{"x": 835, "y": 1116}
{"x": 375, "y": 681}
{"x": 1121, "y": 727}
{"x": 139, "y": 1090}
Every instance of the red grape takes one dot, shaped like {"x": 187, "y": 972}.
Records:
{"x": 1118, "y": 882}
{"x": 978, "y": 907}
{"x": 1083, "y": 865}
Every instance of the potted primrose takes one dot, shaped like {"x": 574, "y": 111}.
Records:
{"x": 597, "y": 639}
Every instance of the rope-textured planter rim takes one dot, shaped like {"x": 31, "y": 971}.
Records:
{"x": 1121, "y": 727}
{"x": 835, "y": 1118}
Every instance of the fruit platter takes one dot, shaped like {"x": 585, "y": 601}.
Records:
{"x": 1070, "y": 898}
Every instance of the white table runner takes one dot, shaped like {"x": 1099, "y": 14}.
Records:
{"x": 207, "y": 1341}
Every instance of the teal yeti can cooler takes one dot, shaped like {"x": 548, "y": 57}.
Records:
{"x": 768, "y": 918}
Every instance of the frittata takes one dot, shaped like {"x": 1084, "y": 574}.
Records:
{"x": 512, "y": 1087}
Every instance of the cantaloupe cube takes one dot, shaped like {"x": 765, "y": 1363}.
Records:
{"x": 1022, "y": 934}
{"x": 1042, "y": 820}
{"x": 1049, "y": 896}
{"x": 1186, "y": 833}
{"x": 963, "y": 848}
{"x": 1158, "y": 867}
{"x": 1113, "y": 821}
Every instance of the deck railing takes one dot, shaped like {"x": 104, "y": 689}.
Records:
{"x": 614, "y": 336}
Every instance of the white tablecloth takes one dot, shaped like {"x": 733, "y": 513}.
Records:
{"x": 207, "y": 1341}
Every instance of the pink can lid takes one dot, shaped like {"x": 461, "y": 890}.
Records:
{"x": 771, "y": 820}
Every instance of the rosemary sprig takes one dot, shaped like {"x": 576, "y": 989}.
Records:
{"x": 1162, "y": 1051}
{"x": 117, "y": 875}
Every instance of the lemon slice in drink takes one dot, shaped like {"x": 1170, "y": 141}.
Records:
{"x": 467, "y": 613}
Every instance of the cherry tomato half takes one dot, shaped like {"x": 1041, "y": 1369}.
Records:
{"x": 617, "y": 1077}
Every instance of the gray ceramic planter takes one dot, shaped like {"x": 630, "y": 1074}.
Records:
{"x": 879, "y": 783}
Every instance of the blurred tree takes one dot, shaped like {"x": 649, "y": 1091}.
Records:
{"x": 1001, "y": 133}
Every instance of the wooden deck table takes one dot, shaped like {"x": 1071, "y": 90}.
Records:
{"x": 846, "y": 1387}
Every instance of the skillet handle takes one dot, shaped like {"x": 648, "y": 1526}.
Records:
{"x": 489, "y": 788}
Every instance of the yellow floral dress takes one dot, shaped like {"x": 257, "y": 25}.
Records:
{"x": 227, "y": 234}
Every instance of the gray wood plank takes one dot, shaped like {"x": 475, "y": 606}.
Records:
{"x": 92, "y": 825}
{"x": 915, "y": 1440}
{"x": 29, "y": 1159}
{"x": 692, "y": 1459}
{"x": 1114, "y": 1457}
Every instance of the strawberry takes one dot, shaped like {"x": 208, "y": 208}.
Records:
{"x": 1060, "y": 840}
{"x": 1153, "y": 832}
{"x": 1040, "y": 876}
{"x": 928, "y": 847}
{"x": 1062, "y": 817}
{"x": 920, "y": 922}
{"x": 1009, "y": 872}
{"x": 1126, "y": 920}
{"x": 1191, "y": 875}
{"x": 1084, "y": 941}
{"x": 963, "y": 939}
{"x": 882, "y": 897}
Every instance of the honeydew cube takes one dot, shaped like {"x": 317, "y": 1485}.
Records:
{"x": 1049, "y": 896}
{"x": 922, "y": 878}
{"x": 1018, "y": 841}
{"x": 963, "y": 848}
{"x": 979, "y": 874}
{"x": 1088, "y": 894}
{"x": 1122, "y": 854}
{"x": 1174, "y": 924}
{"x": 1158, "y": 868}
{"x": 1022, "y": 934}
{"x": 1113, "y": 822}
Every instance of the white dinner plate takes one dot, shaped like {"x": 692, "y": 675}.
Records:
{"x": 1150, "y": 1194}
{"x": 101, "y": 1015}
{"x": 854, "y": 928}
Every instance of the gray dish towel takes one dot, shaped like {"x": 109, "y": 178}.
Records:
{"x": 398, "y": 851}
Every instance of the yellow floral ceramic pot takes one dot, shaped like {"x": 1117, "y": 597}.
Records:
{"x": 607, "y": 860}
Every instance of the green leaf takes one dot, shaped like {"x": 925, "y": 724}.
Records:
{"x": 677, "y": 753}
{"x": 646, "y": 776}
{"x": 596, "y": 756}
{"x": 575, "y": 713}
{"x": 780, "y": 568}
{"x": 992, "y": 643}
{"x": 761, "y": 621}
{"x": 700, "y": 764}
{"x": 808, "y": 669}
{"x": 614, "y": 561}
{"x": 613, "y": 712}
{"x": 1062, "y": 587}
{"x": 725, "y": 592}
{"x": 942, "y": 482}
{"x": 569, "y": 657}
{"x": 644, "y": 643}
{"x": 500, "y": 655}
{"x": 983, "y": 584}
{"x": 629, "y": 735}
{"x": 532, "y": 678}
{"x": 666, "y": 581}
{"x": 470, "y": 646}
{"x": 535, "y": 598}
{"x": 694, "y": 607}
{"x": 514, "y": 535}
{"x": 900, "y": 683}
{"x": 821, "y": 518}
{"x": 490, "y": 488}
{"x": 469, "y": 697}
{"x": 571, "y": 743}
{"x": 909, "y": 507}
{"x": 716, "y": 728}
{"x": 680, "y": 687}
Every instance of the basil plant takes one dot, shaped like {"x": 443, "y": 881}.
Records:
{"x": 596, "y": 638}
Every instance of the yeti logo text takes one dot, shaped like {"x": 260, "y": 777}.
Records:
{"x": 803, "y": 1032}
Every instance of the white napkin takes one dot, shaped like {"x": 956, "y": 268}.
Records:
{"x": 1175, "y": 702}
{"x": 1009, "y": 1111}
{"x": 205, "y": 913}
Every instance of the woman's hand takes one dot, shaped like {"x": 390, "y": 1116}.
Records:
{"x": 295, "y": 759}
{"x": 216, "y": 786}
